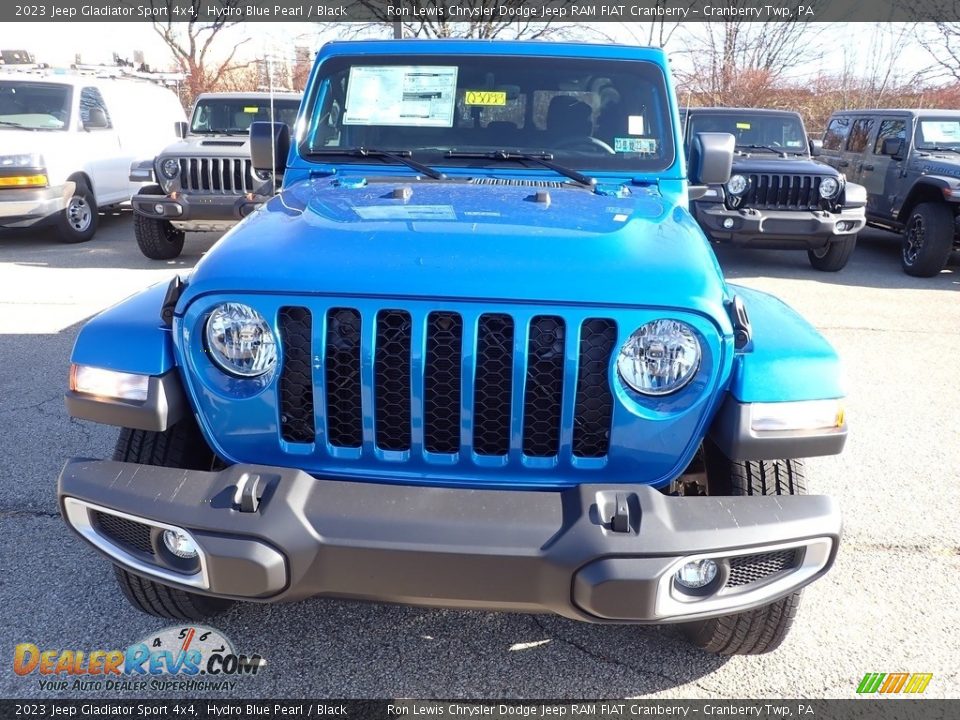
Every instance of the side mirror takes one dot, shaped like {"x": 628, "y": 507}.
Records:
{"x": 96, "y": 120}
{"x": 816, "y": 147}
{"x": 180, "y": 128}
{"x": 269, "y": 145}
{"x": 711, "y": 158}
{"x": 892, "y": 147}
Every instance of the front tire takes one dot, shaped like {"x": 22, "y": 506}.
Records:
{"x": 181, "y": 446}
{"x": 763, "y": 629}
{"x": 927, "y": 240}
{"x": 835, "y": 255}
{"x": 157, "y": 239}
{"x": 78, "y": 221}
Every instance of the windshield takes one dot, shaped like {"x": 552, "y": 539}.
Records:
{"x": 585, "y": 113}
{"x": 778, "y": 132}
{"x": 221, "y": 115}
{"x": 938, "y": 132}
{"x": 34, "y": 105}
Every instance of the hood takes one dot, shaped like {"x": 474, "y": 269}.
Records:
{"x": 45, "y": 142}
{"x": 944, "y": 164}
{"x": 769, "y": 163}
{"x": 209, "y": 145}
{"x": 457, "y": 239}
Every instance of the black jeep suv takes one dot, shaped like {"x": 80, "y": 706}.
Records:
{"x": 778, "y": 197}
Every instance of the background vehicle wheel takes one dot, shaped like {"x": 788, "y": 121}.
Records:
{"x": 181, "y": 446}
{"x": 78, "y": 221}
{"x": 927, "y": 240}
{"x": 763, "y": 629}
{"x": 158, "y": 239}
{"x": 835, "y": 255}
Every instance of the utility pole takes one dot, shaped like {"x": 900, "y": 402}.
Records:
{"x": 397, "y": 30}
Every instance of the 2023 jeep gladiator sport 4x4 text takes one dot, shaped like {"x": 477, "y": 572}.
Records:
{"x": 476, "y": 354}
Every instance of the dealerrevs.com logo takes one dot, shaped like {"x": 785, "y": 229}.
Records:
{"x": 175, "y": 659}
{"x": 894, "y": 683}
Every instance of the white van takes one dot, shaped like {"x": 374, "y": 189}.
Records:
{"x": 67, "y": 141}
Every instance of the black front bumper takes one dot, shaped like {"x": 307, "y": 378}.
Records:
{"x": 192, "y": 207}
{"x": 776, "y": 229}
{"x": 528, "y": 551}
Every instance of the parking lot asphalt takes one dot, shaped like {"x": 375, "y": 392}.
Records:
{"x": 891, "y": 603}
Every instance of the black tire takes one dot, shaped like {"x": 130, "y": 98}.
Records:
{"x": 835, "y": 255}
{"x": 763, "y": 629}
{"x": 78, "y": 221}
{"x": 181, "y": 446}
{"x": 927, "y": 239}
{"x": 158, "y": 239}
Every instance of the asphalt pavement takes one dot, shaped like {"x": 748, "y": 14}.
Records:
{"x": 891, "y": 603}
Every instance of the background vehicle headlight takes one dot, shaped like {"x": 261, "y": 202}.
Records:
{"x": 660, "y": 357}
{"x": 736, "y": 184}
{"x": 32, "y": 171}
{"x": 170, "y": 168}
{"x": 19, "y": 160}
{"x": 240, "y": 341}
{"x": 829, "y": 187}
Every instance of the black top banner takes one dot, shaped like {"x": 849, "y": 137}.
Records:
{"x": 481, "y": 10}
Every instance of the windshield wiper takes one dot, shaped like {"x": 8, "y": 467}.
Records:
{"x": 544, "y": 159}
{"x": 404, "y": 157}
{"x": 941, "y": 148}
{"x": 779, "y": 151}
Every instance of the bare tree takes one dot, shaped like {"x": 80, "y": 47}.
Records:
{"x": 942, "y": 42}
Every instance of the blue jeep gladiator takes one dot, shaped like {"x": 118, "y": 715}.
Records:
{"x": 475, "y": 354}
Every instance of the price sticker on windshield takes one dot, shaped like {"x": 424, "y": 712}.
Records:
{"x": 251, "y": 110}
{"x": 645, "y": 146}
{"x": 484, "y": 98}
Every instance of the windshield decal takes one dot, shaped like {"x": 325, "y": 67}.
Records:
{"x": 743, "y": 126}
{"x": 635, "y": 145}
{"x": 401, "y": 95}
{"x": 940, "y": 132}
{"x": 635, "y": 124}
{"x": 485, "y": 98}
{"x": 406, "y": 212}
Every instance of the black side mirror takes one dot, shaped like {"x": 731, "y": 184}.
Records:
{"x": 181, "y": 129}
{"x": 269, "y": 145}
{"x": 96, "y": 120}
{"x": 892, "y": 147}
{"x": 816, "y": 147}
{"x": 711, "y": 158}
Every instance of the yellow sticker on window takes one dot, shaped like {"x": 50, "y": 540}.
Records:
{"x": 743, "y": 126}
{"x": 251, "y": 110}
{"x": 484, "y": 97}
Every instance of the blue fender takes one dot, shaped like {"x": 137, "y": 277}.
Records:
{"x": 789, "y": 360}
{"x": 128, "y": 337}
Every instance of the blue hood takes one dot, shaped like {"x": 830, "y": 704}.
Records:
{"x": 458, "y": 239}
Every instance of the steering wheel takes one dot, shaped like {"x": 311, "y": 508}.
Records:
{"x": 586, "y": 142}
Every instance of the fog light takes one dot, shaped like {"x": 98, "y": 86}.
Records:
{"x": 697, "y": 574}
{"x": 158, "y": 209}
{"x": 180, "y": 544}
{"x": 844, "y": 226}
{"x": 727, "y": 223}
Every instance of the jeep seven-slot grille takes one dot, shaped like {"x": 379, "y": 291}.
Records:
{"x": 478, "y": 392}
{"x": 770, "y": 191}
{"x": 223, "y": 176}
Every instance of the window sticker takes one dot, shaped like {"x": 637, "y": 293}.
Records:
{"x": 940, "y": 131}
{"x": 485, "y": 98}
{"x": 401, "y": 95}
{"x": 743, "y": 126}
{"x": 635, "y": 145}
{"x": 251, "y": 110}
{"x": 635, "y": 124}
{"x": 794, "y": 143}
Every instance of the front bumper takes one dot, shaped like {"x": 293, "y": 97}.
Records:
{"x": 594, "y": 553}
{"x": 777, "y": 229}
{"x": 200, "y": 208}
{"x": 23, "y": 207}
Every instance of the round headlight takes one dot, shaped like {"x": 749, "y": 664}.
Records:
{"x": 660, "y": 357}
{"x": 240, "y": 341}
{"x": 829, "y": 187}
{"x": 170, "y": 168}
{"x": 736, "y": 184}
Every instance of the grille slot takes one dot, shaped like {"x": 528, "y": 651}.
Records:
{"x": 342, "y": 376}
{"x": 296, "y": 382}
{"x": 544, "y": 387}
{"x": 221, "y": 176}
{"x": 594, "y": 403}
{"x": 747, "y": 569}
{"x": 441, "y": 407}
{"x": 392, "y": 380}
{"x": 768, "y": 191}
{"x": 128, "y": 534}
{"x": 493, "y": 385}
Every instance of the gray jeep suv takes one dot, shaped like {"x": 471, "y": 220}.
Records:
{"x": 205, "y": 182}
{"x": 909, "y": 162}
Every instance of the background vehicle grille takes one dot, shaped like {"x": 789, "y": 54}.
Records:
{"x": 781, "y": 192}
{"x": 128, "y": 534}
{"x": 747, "y": 569}
{"x": 224, "y": 176}
{"x": 443, "y": 382}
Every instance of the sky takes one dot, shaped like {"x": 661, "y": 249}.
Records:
{"x": 56, "y": 43}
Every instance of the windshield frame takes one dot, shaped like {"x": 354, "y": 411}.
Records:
{"x": 743, "y": 115}
{"x": 666, "y": 166}
{"x": 214, "y": 99}
{"x": 928, "y": 146}
{"x": 68, "y": 104}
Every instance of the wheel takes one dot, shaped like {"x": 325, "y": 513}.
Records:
{"x": 763, "y": 629}
{"x": 78, "y": 221}
{"x": 927, "y": 239}
{"x": 181, "y": 446}
{"x": 834, "y": 255}
{"x": 158, "y": 239}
